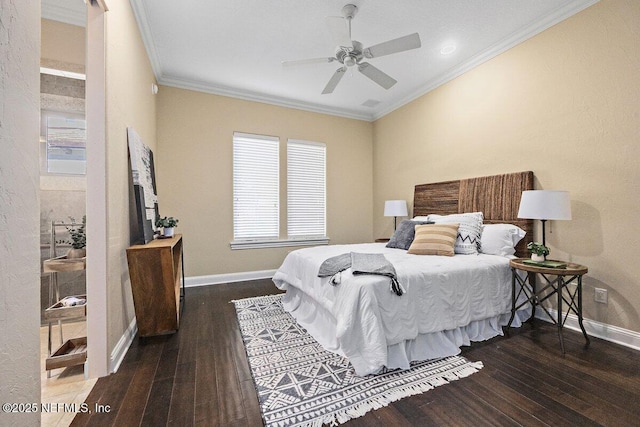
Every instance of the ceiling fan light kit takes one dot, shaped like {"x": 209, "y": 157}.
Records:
{"x": 349, "y": 11}
{"x": 350, "y": 53}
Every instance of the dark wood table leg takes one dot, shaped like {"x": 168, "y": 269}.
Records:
{"x": 559, "y": 294}
{"x": 534, "y": 296}
{"x": 513, "y": 299}
{"x": 586, "y": 337}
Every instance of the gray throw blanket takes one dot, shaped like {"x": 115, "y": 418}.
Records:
{"x": 360, "y": 263}
{"x": 334, "y": 266}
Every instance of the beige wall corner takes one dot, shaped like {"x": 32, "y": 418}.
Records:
{"x": 563, "y": 104}
{"x": 194, "y": 174}
{"x": 19, "y": 206}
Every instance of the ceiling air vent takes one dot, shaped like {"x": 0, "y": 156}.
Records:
{"x": 370, "y": 103}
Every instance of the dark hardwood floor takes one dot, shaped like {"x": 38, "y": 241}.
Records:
{"x": 200, "y": 376}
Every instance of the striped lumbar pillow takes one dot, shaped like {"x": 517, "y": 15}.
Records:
{"x": 434, "y": 239}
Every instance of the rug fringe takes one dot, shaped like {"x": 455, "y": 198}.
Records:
{"x": 376, "y": 402}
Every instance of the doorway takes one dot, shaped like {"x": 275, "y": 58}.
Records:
{"x": 63, "y": 188}
{"x": 76, "y": 191}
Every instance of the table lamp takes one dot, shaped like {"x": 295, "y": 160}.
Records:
{"x": 545, "y": 205}
{"x": 395, "y": 208}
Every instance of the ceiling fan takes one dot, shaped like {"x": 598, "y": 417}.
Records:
{"x": 350, "y": 53}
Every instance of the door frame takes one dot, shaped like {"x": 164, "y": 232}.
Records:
{"x": 97, "y": 209}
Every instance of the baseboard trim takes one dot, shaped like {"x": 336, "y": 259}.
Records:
{"x": 216, "y": 279}
{"x": 121, "y": 348}
{"x": 123, "y": 344}
{"x": 615, "y": 334}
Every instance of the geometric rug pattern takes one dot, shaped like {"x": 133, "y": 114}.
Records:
{"x": 299, "y": 383}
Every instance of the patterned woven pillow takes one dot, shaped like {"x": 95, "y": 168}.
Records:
{"x": 434, "y": 239}
{"x": 469, "y": 232}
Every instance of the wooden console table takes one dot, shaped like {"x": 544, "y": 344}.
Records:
{"x": 155, "y": 270}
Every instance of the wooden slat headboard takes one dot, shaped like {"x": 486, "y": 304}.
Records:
{"x": 497, "y": 197}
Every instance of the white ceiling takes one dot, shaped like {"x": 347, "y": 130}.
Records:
{"x": 236, "y": 47}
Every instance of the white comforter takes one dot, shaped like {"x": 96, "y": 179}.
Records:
{"x": 367, "y": 319}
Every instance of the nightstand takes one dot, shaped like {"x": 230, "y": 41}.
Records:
{"x": 554, "y": 282}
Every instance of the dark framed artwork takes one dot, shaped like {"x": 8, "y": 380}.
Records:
{"x": 143, "y": 199}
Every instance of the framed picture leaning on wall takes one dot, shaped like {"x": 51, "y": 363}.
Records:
{"x": 143, "y": 199}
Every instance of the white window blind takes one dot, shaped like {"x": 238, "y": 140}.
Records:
{"x": 306, "y": 189}
{"x": 256, "y": 183}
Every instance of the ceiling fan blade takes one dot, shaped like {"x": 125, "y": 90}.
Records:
{"x": 383, "y": 79}
{"x": 412, "y": 41}
{"x": 339, "y": 31}
{"x": 310, "y": 61}
{"x": 335, "y": 79}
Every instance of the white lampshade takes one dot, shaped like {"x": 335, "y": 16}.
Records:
{"x": 545, "y": 204}
{"x": 395, "y": 208}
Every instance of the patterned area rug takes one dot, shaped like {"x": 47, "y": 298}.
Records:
{"x": 301, "y": 384}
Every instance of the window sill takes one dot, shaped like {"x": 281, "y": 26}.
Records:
{"x": 260, "y": 244}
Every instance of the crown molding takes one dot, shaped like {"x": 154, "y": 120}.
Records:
{"x": 140, "y": 14}
{"x": 259, "y": 97}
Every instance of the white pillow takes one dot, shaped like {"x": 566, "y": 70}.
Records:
{"x": 420, "y": 218}
{"x": 469, "y": 231}
{"x": 500, "y": 239}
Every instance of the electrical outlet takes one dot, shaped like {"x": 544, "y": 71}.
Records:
{"x": 601, "y": 295}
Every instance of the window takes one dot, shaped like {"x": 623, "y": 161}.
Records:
{"x": 256, "y": 187}
{"x": 65, "y": 138}
{"x": 256, "y": 190}
{"x": 306, "y": 189}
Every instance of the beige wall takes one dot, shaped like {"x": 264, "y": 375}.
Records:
{"x": 63, "y": 46}
{"x": 194, "y": 174}
{"x": 19, "y": 223}
{"x": 129, "y": 103}
{"x": 564, "y": 104}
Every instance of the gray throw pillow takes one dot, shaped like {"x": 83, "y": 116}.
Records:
{"x": 404, "y": 234}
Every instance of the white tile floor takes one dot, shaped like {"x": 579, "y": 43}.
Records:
{"x": 66, "y": 385}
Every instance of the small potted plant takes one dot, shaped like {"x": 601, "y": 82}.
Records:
{"x": 538, "y": 251}
{"x": 78, "y": 235}
{"x": 167, "y": 224}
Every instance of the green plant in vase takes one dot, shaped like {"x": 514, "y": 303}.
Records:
{"x": 538, "y": 251}
{"x": 168, "y": 224}
{"x": 78, "y": 235}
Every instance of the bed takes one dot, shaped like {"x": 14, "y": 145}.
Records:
{"x": 448, "y": 301}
